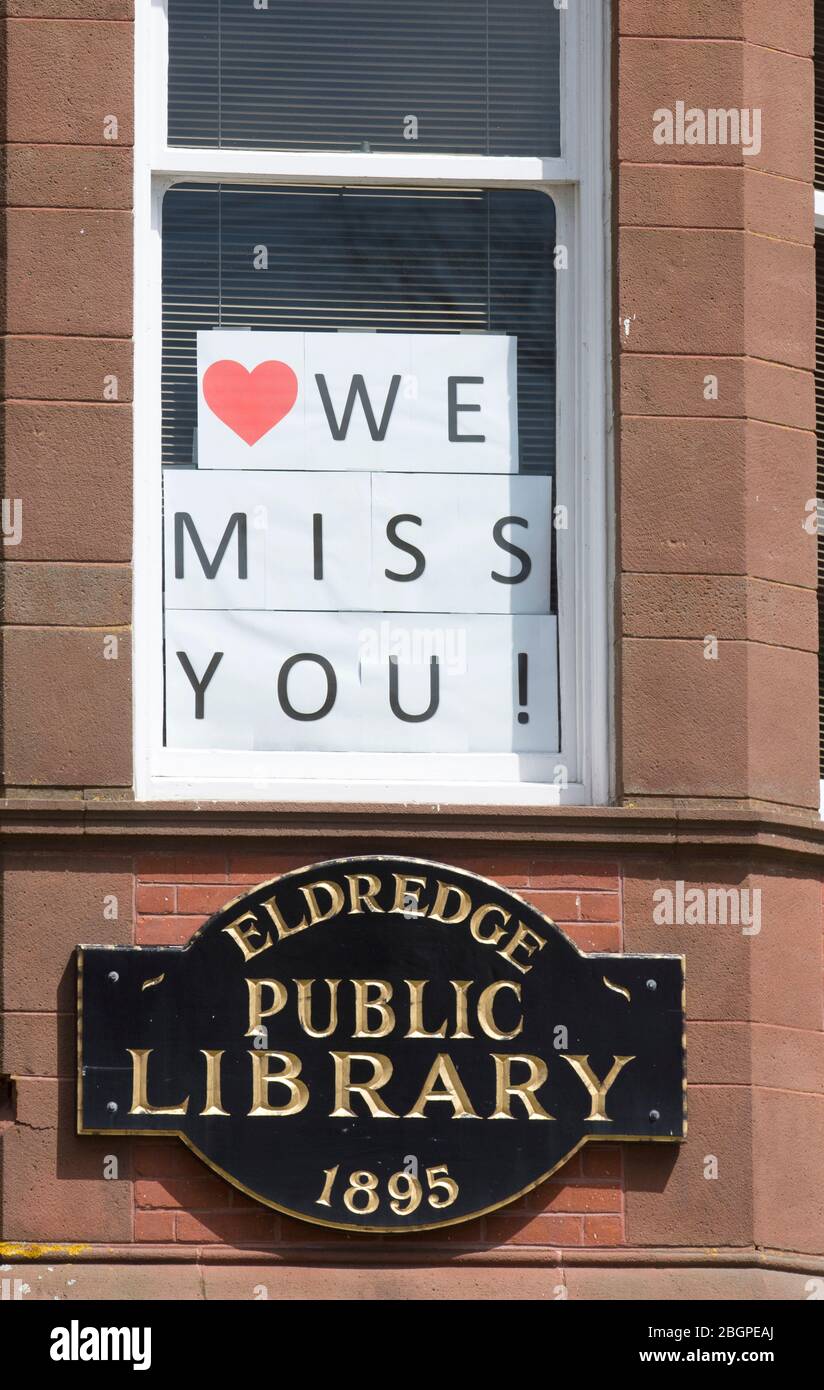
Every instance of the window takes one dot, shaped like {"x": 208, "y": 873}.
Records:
{"x": 371, "y": 401}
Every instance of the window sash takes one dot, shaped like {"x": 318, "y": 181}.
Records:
{"x": 474, "y": 76}
{"x": 578, "y": 184}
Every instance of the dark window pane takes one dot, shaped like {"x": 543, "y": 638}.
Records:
{"x": 389, "y": 260}
{"x": 478, "y": 76}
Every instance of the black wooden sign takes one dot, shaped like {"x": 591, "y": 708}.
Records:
{"x": 381, "y": 1044}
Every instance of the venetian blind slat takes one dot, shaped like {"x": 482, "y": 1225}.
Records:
{"x": 477, "y": 76}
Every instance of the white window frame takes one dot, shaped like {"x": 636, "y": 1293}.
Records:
{"x": 579, "y": 185}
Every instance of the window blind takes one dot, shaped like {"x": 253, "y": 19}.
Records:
{"x": 449, "y": 76}
{"x": 383, "y": 260}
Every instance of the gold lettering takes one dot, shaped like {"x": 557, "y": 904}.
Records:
{"x": 304, "y": 988}
{"x": 403, "y": 891}
{"x": 140, "y": 1087}
{"x": 443, "y": 1069}
{"x": 416, "y": 1026}
{"x": 441, "y": 899}
{"x": 461, "y": 988}
{"x": 244, "y": 938}
{"x": 363, "y": 1005}
{"x": 506, "y": 1090}
{"x": 358, "y": 896}
{"x": 257, "y": 1013}
{"x": 485, "y": 1015}
{"x": 263, "y": 1078}
{"x": 271, "y": 906}
{"x": 214, "y": 1102}
{"x": 316, "y": 914}
{"x": 526, "y": 937}
{"x": 597, "y": 1089}
{"x": 345, "y": 1088}
{"x": 477, "y": 920}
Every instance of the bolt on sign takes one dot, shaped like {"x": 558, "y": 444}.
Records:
{"x": 357, "y": 535}
{"x": 381, "y": 1044}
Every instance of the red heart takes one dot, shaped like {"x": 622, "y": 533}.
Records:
{"x": 250, "y": 403}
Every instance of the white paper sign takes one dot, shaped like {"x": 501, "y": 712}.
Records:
{"x": 356, "y": 565}
{"x": 394, "y": 542}
{"x": 395, "y": 402}
{"x": 340, "y": 682}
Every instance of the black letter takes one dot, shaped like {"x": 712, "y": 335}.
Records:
{"x": 434, "y": 692}
{"x": 200, "y": 686}
{"x": 210, "y": 568}
{"x": 453, "y": 383}
{"x": 358, "y": 388}
{"x": 317, "y": 539}
{"x": 392, "y": 535}
{"x": 283, "y": 686}
{"x": 500, "y": 539}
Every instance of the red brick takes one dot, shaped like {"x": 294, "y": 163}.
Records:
{"x": 539, "y": 1230}
{"x": 600, "y": 907}
{"x": 166, "y": 931}
{"x": 603, "y": 1230}
{"x": 561, "y": 907}
{"x": 203, "y": 898}
{"x": 154, "y": 1225}
{"x": 154, "y": 898}
{"x": 555, "y": 1197}
{"x": 601, "y": 1161}
{"x": 595, "y": 936}
{"x": 238, "y": 1228}
{"x": 571, "y": 1169}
